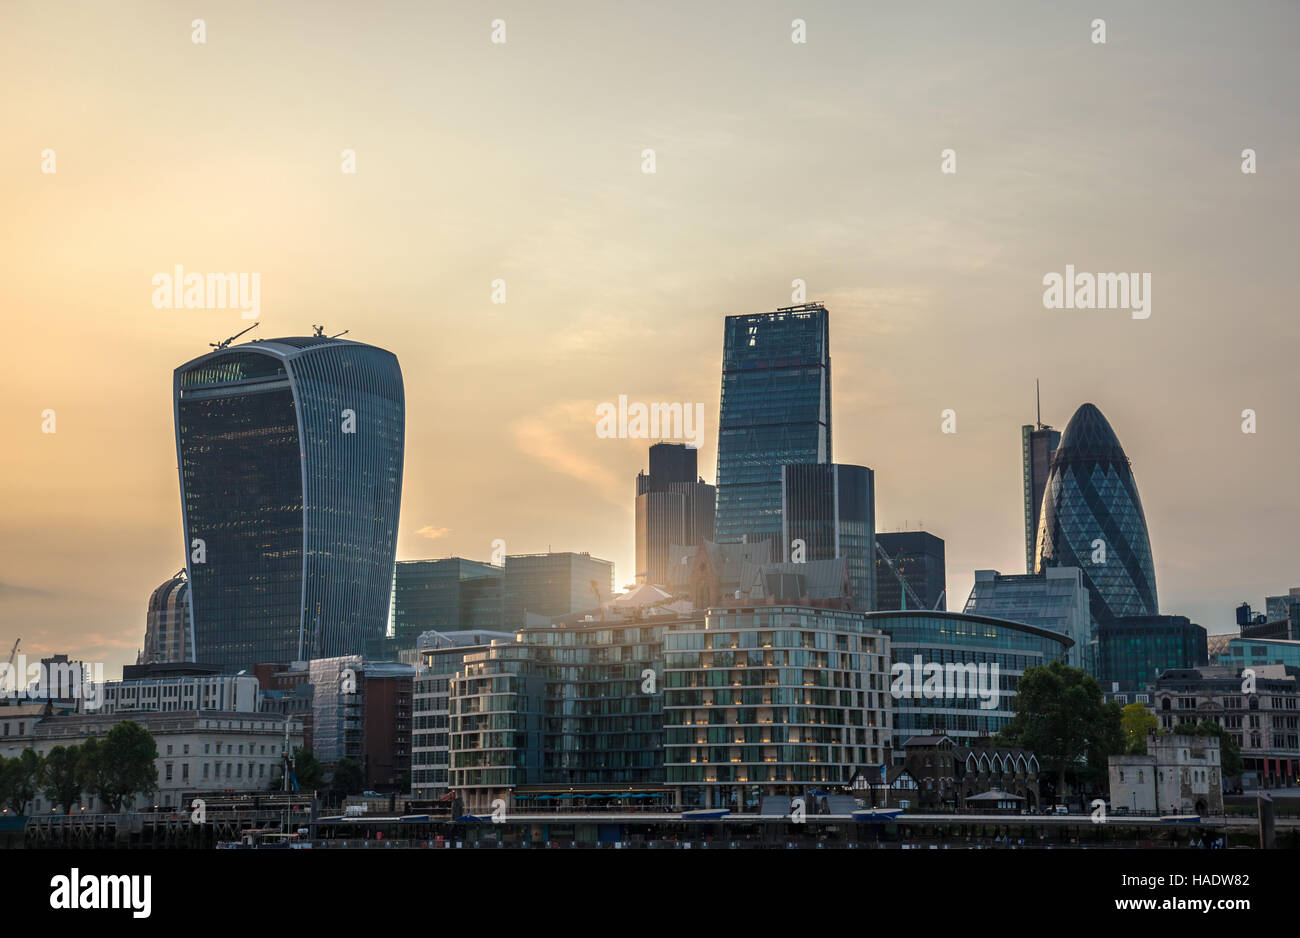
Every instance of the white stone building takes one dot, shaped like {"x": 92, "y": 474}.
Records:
{"x": 197, "y": 750}
{"x": 1178, "y": 775}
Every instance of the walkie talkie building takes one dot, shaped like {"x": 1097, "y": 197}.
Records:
{"x": 290, "y": 460}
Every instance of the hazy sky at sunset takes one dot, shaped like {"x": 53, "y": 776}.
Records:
{"x": 775, "y": 161}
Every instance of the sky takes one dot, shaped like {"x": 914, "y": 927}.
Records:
{"x": 775, "y": 161}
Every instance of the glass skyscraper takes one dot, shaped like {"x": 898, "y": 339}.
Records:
{"x": 776, "y": 409}
{"x": 831, "y": 508}
{"x": 1092, "y": 519}
{"x": 290, "y": 459}
{"x": 1037, "y": 444}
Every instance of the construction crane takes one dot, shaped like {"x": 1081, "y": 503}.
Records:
{"x": 595, "y": 588}
{"x": 13, "y": 651}
{"x": 220, "y": 345}
{"x": 320, "y": 332}
{"x": 907, "y": 591}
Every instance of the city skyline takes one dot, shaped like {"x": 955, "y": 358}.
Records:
{"x": 618, "y": 282}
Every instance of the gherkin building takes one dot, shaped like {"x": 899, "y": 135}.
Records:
{"x": 1092, "y": 519}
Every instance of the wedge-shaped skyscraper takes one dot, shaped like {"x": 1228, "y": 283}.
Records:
{"x": 1092, "y": 519}
{"x": 290, "y": 458}
{"x": 776, "y": 409}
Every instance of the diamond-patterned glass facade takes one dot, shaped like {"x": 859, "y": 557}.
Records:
{"x": 1092, "y": 519}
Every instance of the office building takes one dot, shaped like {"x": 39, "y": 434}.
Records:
{"x": 168, "y": 637}
{"x": 955, "y": 674}
{"x": 1282, "y": 608}
{"x": 1092, "y": 519}
{"x": 290, "y": 456}
{"x": 1238, "y": 652}
{"x": 198, "y": 750}
{"x": 1132, "y": 650}
{"x": 1037, "y": 445}
{"x": 910, "y": 571}
{"x": 828, "y": 513}
{"x": 447, "y": 595}
{"x": 1054, "y": 599}
{"x": 554, "y": 584}
{"x": 172, "y": 693}
{"x": 673, "y": 508}
{"x": 776, "y": 409}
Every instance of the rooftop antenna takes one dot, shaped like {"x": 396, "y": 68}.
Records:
{"x": 220, "y": 345}
{"x": 320, "y": 331}
{"x": 1038, "y": 396}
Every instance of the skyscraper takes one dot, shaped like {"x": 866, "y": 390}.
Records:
{"x": 1037, "y": 444}
{"x": 673, "y": 507}
{"x": 776, "y": 409}
{"x": 831, "y": 508}
{"x": 290, "y": 462}
{"x": 914, "y": 558}
{"x": 1092, "y": 519}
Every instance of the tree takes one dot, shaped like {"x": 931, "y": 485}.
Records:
{"x": 311, "y": 777}
{"x": 92, "y": 770}
{"x": 61, "y": 777}
{"x": 1060, "y": 716}
{"x": 348, "y": 776}
{"x": 1106, "y": 740}
{"x": 18, "y": 779}
{"x": 1138, "y": 723}
{"x": 120, "y": 767}
{"x": 1229, "y": 751}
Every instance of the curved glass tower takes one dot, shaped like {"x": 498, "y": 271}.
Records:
{"x": 1092, "y": 519}
{"x": 167, "y": 634}
{"x": 290, "y": 458}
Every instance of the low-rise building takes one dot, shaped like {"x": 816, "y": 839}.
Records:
{"x": 362, "y": 710}
{"x": 1259, "y": 707}
{"x": 167, "y": 689}
{"x": 1180, "y": 774}
{"x": 952, "y": 777}
{"x": 208, "y": 750}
